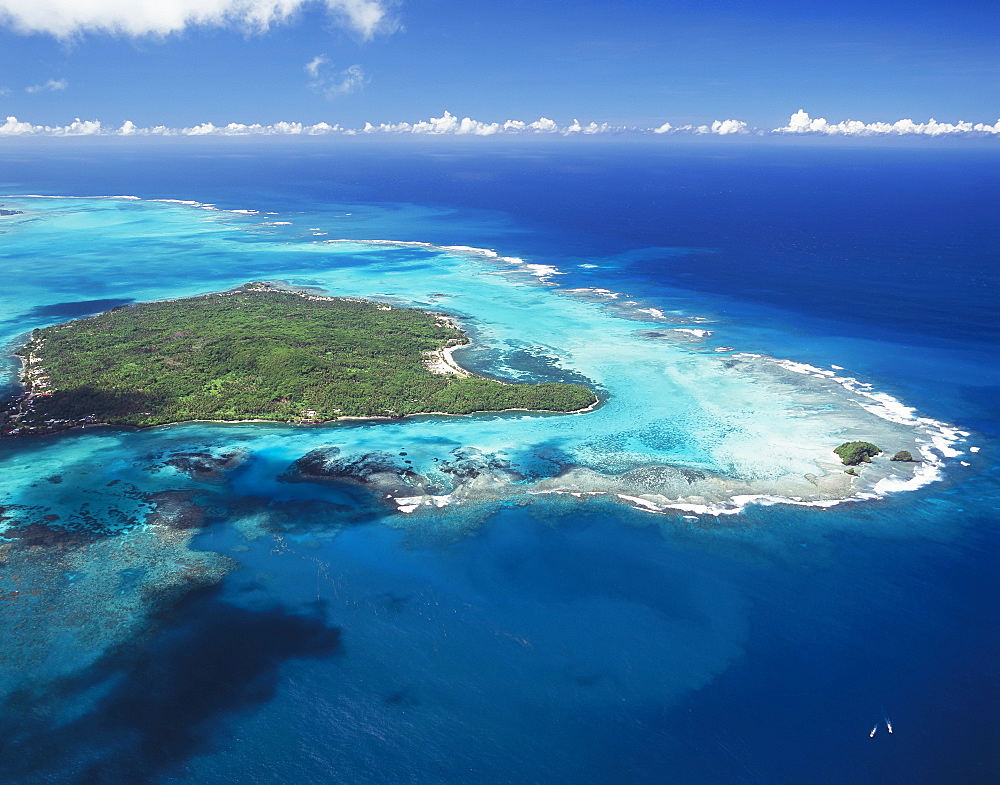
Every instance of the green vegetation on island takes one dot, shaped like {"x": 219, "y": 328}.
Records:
{"x": 854, "y": 453}
{"x": 258, "y": 353}
{"x": 904, "y": 456}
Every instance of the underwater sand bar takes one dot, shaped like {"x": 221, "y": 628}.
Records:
{"x": 260, "y": 353}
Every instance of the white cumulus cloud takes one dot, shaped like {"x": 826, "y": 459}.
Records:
{"x": 802, "y": 123}
{"x": 332, "y": 83}
{"x": 51, "y": 86}
{"x": 717, "y": 127}
{"x": 544, "y": 125}
{"x": 589, "y": 129}
{"x": 281, "y": 128}
{"x": 78, "y": 128}
{"x": 14, "y": 127}
{"x": 65, "y": 18}
{"x": 204, "y": 129}
{"x": 724, "y": 127}
{"x": 322, "y": 128}
{"x": 451, "y": 125}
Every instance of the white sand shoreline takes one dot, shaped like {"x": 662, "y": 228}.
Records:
{"x": 440, "y": 361}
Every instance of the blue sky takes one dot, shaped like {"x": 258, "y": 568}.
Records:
{"x": 633, "y": 62}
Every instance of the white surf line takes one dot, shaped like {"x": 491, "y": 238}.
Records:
{"x": 488, "y": 252}
{"x": 61, "y": 196}
{"x": 382, "y": 243}
{"x": 408, "y": 504}
{"x": 130, "y": 198}
{"x": 611, "y": 295}
{"x": 739, "y": 502}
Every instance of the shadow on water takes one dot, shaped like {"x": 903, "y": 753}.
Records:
{"x": 163, "y": 704}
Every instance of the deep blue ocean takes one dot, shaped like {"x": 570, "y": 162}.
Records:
{"x": 315, "y": 637}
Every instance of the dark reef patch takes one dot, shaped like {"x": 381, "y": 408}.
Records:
{"x": 468, "y": 464}
{"x": 34, "y": 527}
{"x": 543, "y": 460}
{"x": 205, "y": 466}
{"x": 692, "y": 475}
{"x": 519, "y": 362}
{"x": 176, "y": 509}
{"x": 39, "y": 526}
{"x": 166, "y": 701}
{"x": 40, "y": 535}
{"x": 379, "y": 471}
{"x": 387, "y": 476}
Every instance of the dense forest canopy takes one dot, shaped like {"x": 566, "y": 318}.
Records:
{"x": 854, "y": 453}
{"x": 257, "y": 353}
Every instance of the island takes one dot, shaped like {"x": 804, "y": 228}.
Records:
{"x": 856, "y": 453}
{"x": 260, "y": 352}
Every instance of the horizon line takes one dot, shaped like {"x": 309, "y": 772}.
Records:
{"x": 799, "y": 124}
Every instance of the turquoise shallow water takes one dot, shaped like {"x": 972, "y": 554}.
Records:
{"x": 607, "y": 597}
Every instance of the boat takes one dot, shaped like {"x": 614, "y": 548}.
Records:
{"x": 888, "y": 724}
{"x": 872, "y": 734}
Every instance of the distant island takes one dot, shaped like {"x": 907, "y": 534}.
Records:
{"x": 258, "y": 352}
